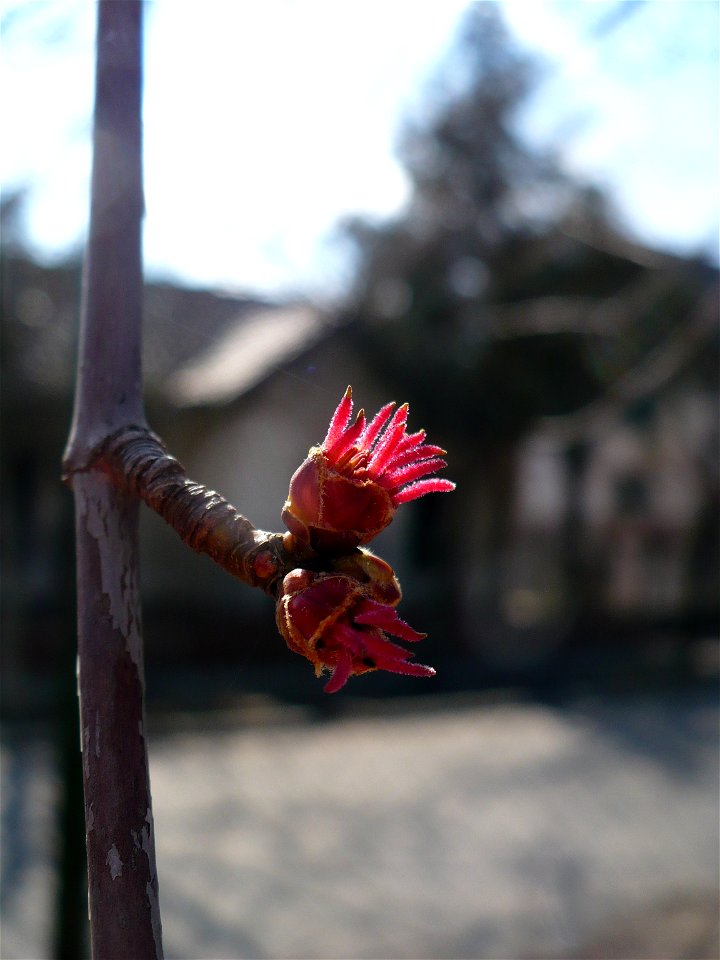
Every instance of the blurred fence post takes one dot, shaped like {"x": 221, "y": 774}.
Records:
{"x": 122, "y": 880}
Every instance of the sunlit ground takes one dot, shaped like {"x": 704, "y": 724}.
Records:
{"x": 459, "y": 830}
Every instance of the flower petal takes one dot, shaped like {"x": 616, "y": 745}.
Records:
{"x": 424, "y": 452}
{"x": 376, "y": 424}
{"x": 352, "y": 640}
{"x": 419, "y": 489}
{"x": 340, "y": 419}
{"x": 412, "y": 472}
{"x": 410, "y": 669}
{"x": 382, "y": 650}
{"x": 387, "y": 444}
{"x": 341, "y": 673}
{"x": 386, "y": 617}
{"x": 410, "y": 441}
{"x": 346, "y": 439}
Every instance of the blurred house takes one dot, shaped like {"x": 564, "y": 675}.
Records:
{"x": 614, "y": 506}
{"x": 614, "y": 532}
{"x": 239, "y": 388}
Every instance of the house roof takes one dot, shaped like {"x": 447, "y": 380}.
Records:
{"x": 199, "y": 348}
{"x": 246, "y": 353}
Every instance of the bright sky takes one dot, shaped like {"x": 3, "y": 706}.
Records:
{"x": 265, "y": 123}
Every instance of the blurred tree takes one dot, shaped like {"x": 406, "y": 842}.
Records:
{"x": 489, "y": 309}
{"x": 481, "y": 200}
{"x": 423, "y": 287}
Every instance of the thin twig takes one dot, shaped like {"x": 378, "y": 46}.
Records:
{"x": 137, "y": 461}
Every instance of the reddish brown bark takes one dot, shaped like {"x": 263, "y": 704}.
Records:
{"x": 122, "y": 880}
{"x": 137, "y": 461}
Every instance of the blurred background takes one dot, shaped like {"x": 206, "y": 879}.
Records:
{"x": 506, "y": 214}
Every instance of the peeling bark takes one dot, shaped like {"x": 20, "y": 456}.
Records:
{"x": 136, "y": 460}
{"x": 122, "y": 879}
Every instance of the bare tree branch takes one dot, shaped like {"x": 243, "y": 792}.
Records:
{"x": 122, "y": 879}
{"x": 136, "y": 460}
{"x": 645, "y": 378}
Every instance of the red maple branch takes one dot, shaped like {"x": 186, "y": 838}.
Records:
{"x": 122, "y": 879}
{"x": 136, "y": 460}
{"x": 335, "y": 601}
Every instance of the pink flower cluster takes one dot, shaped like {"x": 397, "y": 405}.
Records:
{"x": 345, "y": 493}
{"x": 348, "y": 489}
{"x": 333, "y": 622}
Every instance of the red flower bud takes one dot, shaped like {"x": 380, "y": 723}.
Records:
{"x": 347, "y": 490}
{"x": 375, "y": 575}
{"x": 334, "y": 621}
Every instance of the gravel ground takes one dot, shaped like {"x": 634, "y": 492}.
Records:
{"x": 469, "y": 831}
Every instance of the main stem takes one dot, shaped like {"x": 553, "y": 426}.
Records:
{"x": 122, "y": 878}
